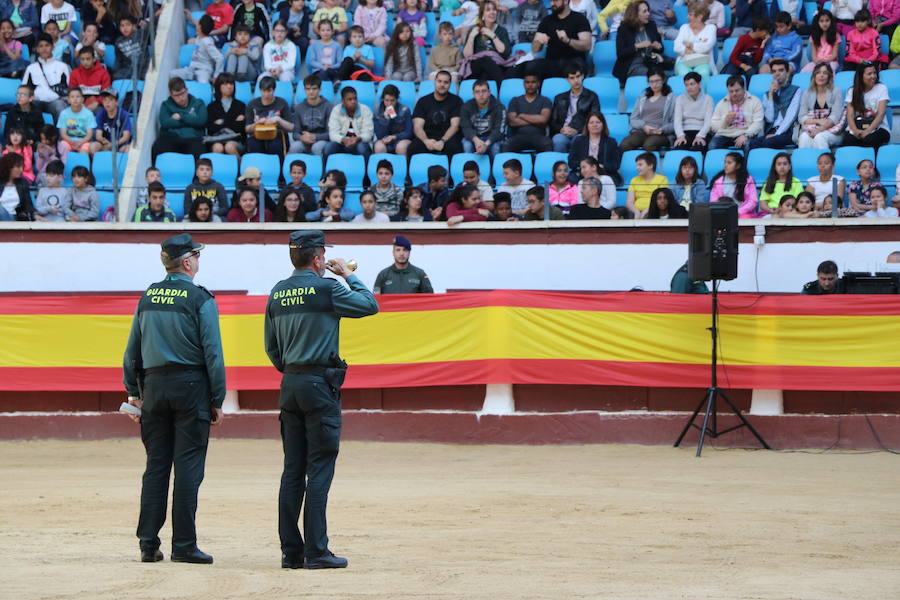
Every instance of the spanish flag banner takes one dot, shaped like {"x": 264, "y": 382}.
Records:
{"x": 76, "y": 343}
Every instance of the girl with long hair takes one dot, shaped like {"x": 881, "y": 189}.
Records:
{"x": 689, "y": 185}
{"x": 595, "y": 142}
{"x": 202, "y": 212}
{"x": 637, "y": 42}
{"x": 402, "y": 61}
{"x": 490, "y": 42}
{"x": 411, "y": 207}
{"x": 15, "y": 198}
{"x": 225, "y": 116}
{"x": 653, "y": 118}
{"x": 734, "y": 182}
{"x": 822, "y": 116}
{"x": 561, "y": 191}
{"x": 824, "y": 41}
{"x": 664, "y": 206}
{"x": 866, "y": 108}
{"x": 858, "y": 191}
{"x": 780, "y": 181}
{"x": 466, "y": 205}
{"x": 290, "y": 209}
{"x": 16, "y": 143}
{"x": 823, "y": 184}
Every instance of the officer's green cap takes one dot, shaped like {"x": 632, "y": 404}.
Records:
{"x": 179, "y": 245}
{"x": 308, "y": 239}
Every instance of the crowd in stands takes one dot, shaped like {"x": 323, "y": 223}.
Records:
{"x": 234, "y": 96}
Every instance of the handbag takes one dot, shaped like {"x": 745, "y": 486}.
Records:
{"x": 863, "y": 123}
{"x": 265, "y": 131}
{"x": 695, "y": 60}
{"x": 61, "y": 89}
{"x": 225, "y": 135}
{"x": 659, "y": 61}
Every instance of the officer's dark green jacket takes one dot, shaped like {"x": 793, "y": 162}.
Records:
{"x": 681, "y": 283}
{"x": 303, "y": 317}
{"x": 812, "y": 288}
{"x": 411, "y": 280}
{"x": 176, "y": 322}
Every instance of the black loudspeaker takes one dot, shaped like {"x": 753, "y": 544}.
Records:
{"x": 713, "y": 231}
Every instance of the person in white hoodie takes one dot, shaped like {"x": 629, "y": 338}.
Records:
{"x": 279, "y": 55}
{"x": 46, "y": 73}
{"x": 207, "y": 59}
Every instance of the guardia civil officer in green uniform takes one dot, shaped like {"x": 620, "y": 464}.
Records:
{"x": 402, "y": 277}
{"x": 174, "y": 372}
{"x": 302, "y": 323}
{"x": 826, "y": 282}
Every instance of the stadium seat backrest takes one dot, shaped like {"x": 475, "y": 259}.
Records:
{"x": 351, "y": 201}
{"x": 184, "y": 55}
{"x": 101, "y": 167}
{"x": 107, "y": 200}
{"x": 717, "y": 88}
{"x": 351, "y": 165}
{"x": 431, "y": 26}
{"x": 378, "y": 69}
{"x": 759, "y": 84}
{"x": 109, "y": 59}
{"x": 607, "y": 90}
{"x": 801, "y": 80}
{"x": 176, "y": 169}
{"x": 225, "y": 168}
{"x": 887, "y": 161}
{"x": 844, "y": 80}
{"x": 672, "y": 160}
{"x": 459, "y": 161}
{"x": 847, "y": 157}
{"x": 242, "y": 91}
{"x": 543, "y": 165}
{"x": 677, "y": 84}
{"x": 759, "y": 161}
{"x": 268, "y": 164}
{"x": 619, "y": 126}
{"x": 407, "y": 91}
{"x": 425, "y": 88}
{"x": 804, "y": 163}
{"x": 509, "y": 89}
{"x": 891, "y": 79}
{"x": 553, "y": 86}
{"x": 8, "y": 89}
{"x": 313, "y": 167}
{"x": 604, "y": 57}
{"x": 502, "y": 157}
{"x": 419, "y": 163}
{"x": 628, "y": 169}
{"x": 526, "y": 48}
{"x": 448, "y": 16}
{"x": 283, "y": 89}
{"x": 365, "y": 91}
{"x": 681, "y": 15}
{"x": 634, "y": 87}
{"x": 713, "y": 163}
{"x": 885, "y": 44}
{"x": 466, "y": 89}
{"x": 728, "y": 47}
{"x": 201, "y": 91}
{"x": 397, "y": 161}
{"x": 48, "y": 118}
{"x": 669, "y": 47}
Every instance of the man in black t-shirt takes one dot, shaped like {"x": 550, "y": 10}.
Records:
{"x": 567, "y": 36}
{"x": 528, "y": 116}
{"x": 436, "y": 120}
{"x": 590, "y": 196}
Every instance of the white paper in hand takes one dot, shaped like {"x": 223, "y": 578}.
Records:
{"x": 129, "y": 409}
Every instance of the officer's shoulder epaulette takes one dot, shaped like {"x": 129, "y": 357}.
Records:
{"x": 810, "y": 286}
{"x": 211, "y": 295}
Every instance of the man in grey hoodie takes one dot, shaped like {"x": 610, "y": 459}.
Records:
{"x": 483, "y": 121}
{"x": 206, "y": 59}
{"x": 311, "y": 120}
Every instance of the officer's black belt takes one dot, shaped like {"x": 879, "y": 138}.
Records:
{"x": 174, "y": 368}
{"x": 300, "y": 369}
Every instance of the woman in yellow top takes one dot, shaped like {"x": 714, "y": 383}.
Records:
{"x": 780, "y": 182}
{"x": 641, "y": 187}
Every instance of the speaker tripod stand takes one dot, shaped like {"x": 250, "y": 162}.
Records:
{"x": 714, "y": 392}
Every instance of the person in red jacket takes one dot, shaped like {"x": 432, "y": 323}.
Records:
{"x": 91, "y": 77}
{"x": 465, "y": 205}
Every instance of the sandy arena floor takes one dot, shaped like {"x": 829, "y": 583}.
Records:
{"x": 462, "y": 522}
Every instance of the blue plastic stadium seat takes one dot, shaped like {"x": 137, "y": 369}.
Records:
{"x": 175, "y": 202}
{"x": 526, "y": 48}
{"x": 681, "y": 15}
{"x": 759, "y": 84}
{"x": 465, "y": 89}
{"x": 497, "y": 170}
{"x": 48, "y": 119}
{"x": 109, "y": 58}
{"x": 717, "y": 88}
{"x": 107, "y": 200}
{"x": 460, "y": 160}
{"x": 844, "y": 80}
{"x": 425, "y": 88}
{"x": 801, "y": 80}
{"x": 365, "y": 91}
{"x": 619, "y": 126}
{"x": 268, "y": 164}
{"x": 714, "y": 162}
{"x": 804, "y": 163}
{"x": 351, "y": 201}
{"x": 201, "y": 91}
{"x": 101, "y": 167}
{"x": 847, "y": 157}
{"x": 888, "y": 159}
{"x": 378, "y": 69}
{"x": 891, "y": 79}
{"x": 397, "y": 161}
{"x": 353, "y": 166}
{"x": 419, "y": 163}
{"x": 604, "y": 57}
{"x": 543, "y": 165}
{"x": 634, "y": 87}
{"x": 431, "y": 29}
{"x": 759, "y": 162}
{"x": 727, "y": 48}
{"x": 677, "y": 84}
{"x": 184, "y": 55}
{"x": 177, "y": 169}
{"x": 672, "y": 160}
{"x": 553, "y": 86}
{"x": 509, "y": 89}
{"x": 407, "y": 91}
{"x": 242, "y": 91}
{"x": 455, "y": 20}
{"x": 225, "y": 168}
{"x": 8, "y": 90}
{"x": 607, "y": 90}
{"x": 313, "y": 168}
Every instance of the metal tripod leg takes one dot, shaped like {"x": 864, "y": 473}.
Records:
{"x": 744, "y": 421}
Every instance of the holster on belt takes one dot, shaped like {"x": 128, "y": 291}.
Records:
{"x": 138, "y": 365}
{"x": 336, "y": 373}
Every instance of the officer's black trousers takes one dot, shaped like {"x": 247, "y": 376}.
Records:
{"x": 310, "y": 433}
{"x": 175, "y": 430}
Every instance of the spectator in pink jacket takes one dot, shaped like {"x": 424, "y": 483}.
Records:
{"x": 735, "y": 182}
{"x": 562, "y": 193}
{"x": 885, "y": 15}
{"x": 863, "y": 42}
{"x": 465, "y": 205}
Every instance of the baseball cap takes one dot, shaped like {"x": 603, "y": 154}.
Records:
{"x": 179, "y": 245}
{"x": 250, "y": 173}
{"x": 110, "y": 91}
